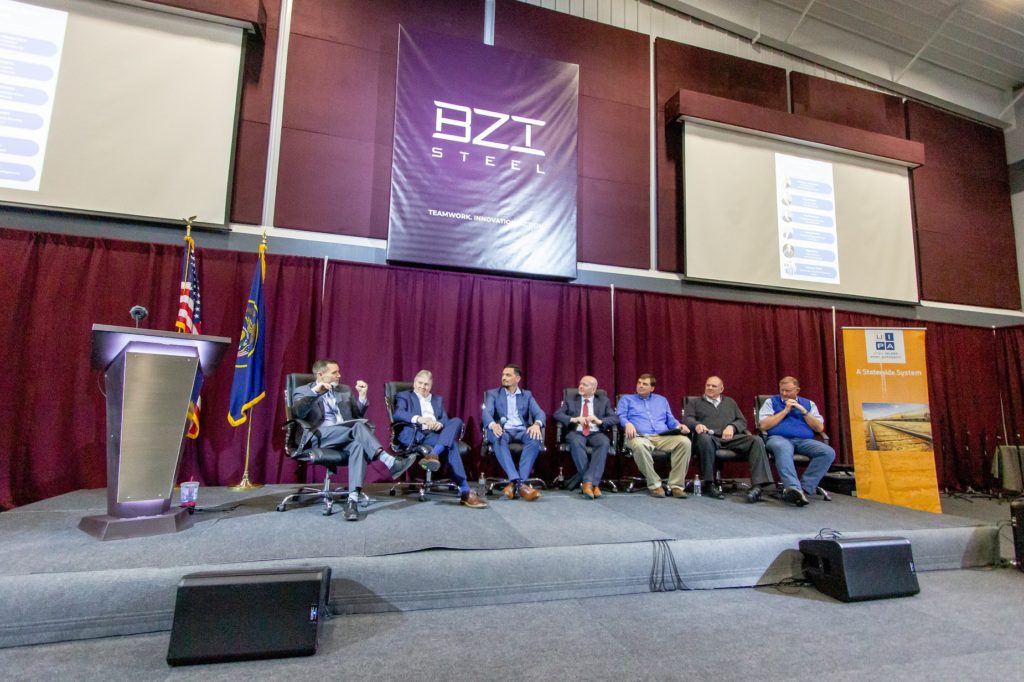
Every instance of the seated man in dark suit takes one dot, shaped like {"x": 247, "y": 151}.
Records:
{"x": 511, "y": 414}
{"x": 433, "y": 428}
{"x": 717, "y": 422}
{"x": 589, "y": 418}
{"x": 336, "y": 422}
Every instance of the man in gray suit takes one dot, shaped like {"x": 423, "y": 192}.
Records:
{"x": 336, "y": 422}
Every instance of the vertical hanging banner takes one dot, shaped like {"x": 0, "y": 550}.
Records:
{"x": 890, "y": 421}
{"x": 483, "y": 174}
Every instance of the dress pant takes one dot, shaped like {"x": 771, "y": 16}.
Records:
{"x": 354, "y": 440}
{"x": 531, "y": 450}
{"x": 742, "y": 444}
{"x": 448, "y": 438}
{"x": 590, "y": 471}
{"x": 821, "y": 455}
{"x": 643, "y": 448}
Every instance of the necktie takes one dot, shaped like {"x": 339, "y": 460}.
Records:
{"x": 586, "y": 415}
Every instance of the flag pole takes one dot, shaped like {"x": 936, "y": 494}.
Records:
{"x": 245, "y": 483}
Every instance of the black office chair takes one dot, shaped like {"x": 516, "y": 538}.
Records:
{"x": 633, "y": 483}
{"x": 328, "y": 458}
{"x": 486, "y": 450}
{"x": 722, "y": 455}
{"x": 798, "y": 459}
{"x": 427, "y": 484}
{"x": 573, "y": 482}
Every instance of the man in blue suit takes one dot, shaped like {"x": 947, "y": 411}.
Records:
{"x": 431, "y": 426}
{"x": 512, "y": 415}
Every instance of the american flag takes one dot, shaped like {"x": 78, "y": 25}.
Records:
{"x": 190, "y": 320}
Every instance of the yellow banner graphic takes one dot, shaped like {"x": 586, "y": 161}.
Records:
{"x": 890, "y": 421}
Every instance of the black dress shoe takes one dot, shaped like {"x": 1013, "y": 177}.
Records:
{"x": 795, "y": 496}
{"x": 754, "y": 494}
{"x": 715, "y": 491}
{"x": 351, "y": 510}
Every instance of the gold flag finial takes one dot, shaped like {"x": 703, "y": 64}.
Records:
{"x": 263, "y": 240}
{"x": 188, "y": 226}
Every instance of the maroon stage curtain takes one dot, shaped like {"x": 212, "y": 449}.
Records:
{"x": 57, "y": 286}
{"x": 385, "y": 324}
{"x": 1010, "y": 361}
{"x": 683, "y": 340}
{"x": 964, "y": 384}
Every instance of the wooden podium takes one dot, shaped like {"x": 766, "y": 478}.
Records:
{"x": 150, "y": 378}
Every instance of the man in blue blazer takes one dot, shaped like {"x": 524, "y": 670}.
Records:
{"x": 512, "y": 415}
{"x": 430, "y": 425}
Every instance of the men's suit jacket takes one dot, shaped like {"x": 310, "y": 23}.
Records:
{"x": 407, "y": 406}
{"x": 602, "y": 410}
{"x": 307, "y": 406}
{"x": 496, "y": 408}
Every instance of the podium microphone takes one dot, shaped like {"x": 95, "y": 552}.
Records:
{"x": 138, "y": 314}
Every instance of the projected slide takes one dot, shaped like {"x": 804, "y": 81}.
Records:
{"x": 808, "y": 236}
{"x": 31, "y": 40}
{"x": 768, "y": 212}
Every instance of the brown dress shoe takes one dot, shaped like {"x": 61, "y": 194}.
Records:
{"x": 430, "y": 463}
{"x": 472, "y": 500}
{"x": 528, "y": 493}
{"x": 678, "y": 491}
{"x": 597, "y": 490}
{"x": 656, "y": 492}
{"x": 588, "y": 490}
{"x": 509, "y": 491}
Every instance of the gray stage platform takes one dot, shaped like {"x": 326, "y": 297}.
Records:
{"x": 57, "y": 583}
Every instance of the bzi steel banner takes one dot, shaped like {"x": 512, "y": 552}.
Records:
{"x": 890, "y": 420}
{"x": 483, "y": 174}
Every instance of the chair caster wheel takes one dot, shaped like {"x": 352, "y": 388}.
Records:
{"x": 423, "y": 498}
{"x": 280, "y": 507}
{"x": 392, "y": 493}
{"x": 329, "y": 510}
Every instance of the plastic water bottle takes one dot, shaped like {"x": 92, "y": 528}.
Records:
{"x": 696, "y": 486}
{"x": 481, "y": 484}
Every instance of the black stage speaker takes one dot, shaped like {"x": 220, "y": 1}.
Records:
{"x": 240, "y": 615}
{"x": 1017, "y": 521}
{"x": 858, "y": 569}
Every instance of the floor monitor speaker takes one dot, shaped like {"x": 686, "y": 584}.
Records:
{"x": 240, "y": 615}
{"x": 858, "y": 569}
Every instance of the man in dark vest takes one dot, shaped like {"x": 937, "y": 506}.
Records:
{"x": 791, "y": 422}
{"x": 717, "y": 422}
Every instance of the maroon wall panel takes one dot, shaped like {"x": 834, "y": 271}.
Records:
{"x": 847, "y": 105}
{"x": 613, "y": 203}
{"x": 965, "y": 238}
{"x": 684, "y": 67}
{"x": 339, "y": 109}
{"x": 254, "y": 126}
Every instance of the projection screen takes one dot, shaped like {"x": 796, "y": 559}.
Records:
{"x": 765, "y": 212}
{"x": 113, "y": 109}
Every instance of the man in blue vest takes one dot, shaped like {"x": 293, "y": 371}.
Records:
{"x": 791, "y": 422}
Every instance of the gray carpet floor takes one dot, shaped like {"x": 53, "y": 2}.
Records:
{"x": 964, "y": 625}
{"x": 246, "y": 527}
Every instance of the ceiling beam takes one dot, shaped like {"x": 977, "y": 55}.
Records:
{"x": 800, "y": 20}
{"x": 935, "y": 33}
